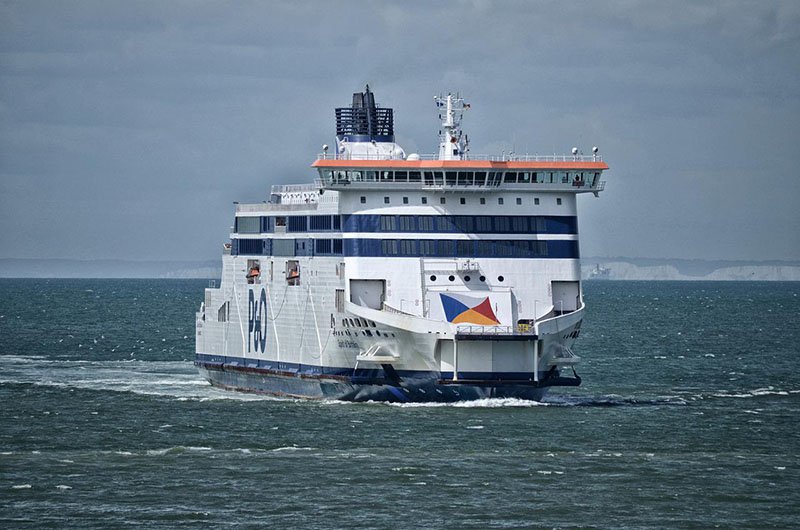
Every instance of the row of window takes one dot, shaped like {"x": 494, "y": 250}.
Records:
{"x": 295, "y": 223}
{"x": 463, "y": 178}
{"x": 461, "y": 200}
{"x": 446, "y": 248}
{"x": 468, "y": 224}
{"x": 287, "y": 247}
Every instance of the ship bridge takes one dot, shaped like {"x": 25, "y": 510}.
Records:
{"x": 535, "y": 173}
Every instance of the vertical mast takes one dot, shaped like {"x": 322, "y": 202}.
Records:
{"x": 453, "y": 144}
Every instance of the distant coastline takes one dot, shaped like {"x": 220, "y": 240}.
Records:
{"x": 620, "y": 268}
{"x": 593, "y": 268}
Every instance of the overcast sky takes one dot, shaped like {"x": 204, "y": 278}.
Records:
{"x": 128, "y": 128}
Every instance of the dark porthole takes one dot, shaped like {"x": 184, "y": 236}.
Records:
{"x": 433, "y": 278}
{"x": 467, "y": 278}
{"x": 452, "y": 278}
{"x": 500, "y": 278}
{"x": 482, "y": 278}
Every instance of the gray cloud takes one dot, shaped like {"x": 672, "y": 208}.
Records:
{"x": 126, "y": 129}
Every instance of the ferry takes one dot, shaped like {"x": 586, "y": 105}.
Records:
{"x": 403, "y": 277}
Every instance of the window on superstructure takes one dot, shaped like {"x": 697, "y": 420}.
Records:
{"x": 389, "y": 247}
{"x": 370, "y": 176}
{"x": 485, "y": 248}
{"x": 424, "y": 200}
{"x": 534, "y": 177}
{"x": 594, "y": 180}
{"x": 536, "y": 201}
{"x": 541, "y": 225}
{"x": 298, "y": 224}
{"x": 425, "y": 223}
{"x": 337, "y": 246}
{"x": 483, "y": 224}
{"x": 248, "y": 225}
{"x": 503, "y": 248}
{"x": 267, "y": 223}
{"x": 388, "y": 223}
{"x": 565, "y": 178}
{"x": 551, "y": 177}
{"x": 520, "y": 248}
{"x": 558, "y": 200}
{"x": 323, "y": 246}
{"x": 539, "y": 248}
{"x": 519, "y": 224}
{"x": 511, "y": 177}
{"x": 465, "y": 178}
{"x": 446, "y": 248}
{"x": 450, "y": 178}
{"x": 363, "y": 200}
{"x": 524, "y": 177}
{"x": 408, "y": 247}
{"x": 519, "y": 201}
{"x": 321, "y": 223}
{"x": 386, "y": 176}
{"x": 483, "y": 200}
{"x": 463, "y": 200}
{"x": 499, "y": 200}
{"x": 405, "y": 200}
{"x": 442, "y": 200}
{"x": 401, "y": 176}
{"x": 480, "y": 178}
{"x": 414, "y": 176}
{"x": 427, "y": 247}
{"x": 386, "y": 200}
{"x": 464, "y": 223}
{"x": 407, "y": 223}
{"x": 444, "y": 223}
{"x": 501, "y": 224}
{"x": 463, "y": 248}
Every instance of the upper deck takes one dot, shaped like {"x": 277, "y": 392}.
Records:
{"x": 572, "y": 173}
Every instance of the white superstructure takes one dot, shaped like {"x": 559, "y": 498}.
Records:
{"x": 403, "y": 277}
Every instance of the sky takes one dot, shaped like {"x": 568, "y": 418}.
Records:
{"x": 127, "y": 129}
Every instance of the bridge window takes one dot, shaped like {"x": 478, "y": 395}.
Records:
{"x": 414, "y": 176}
{"x": 480, "y": 178}
{"x": 450, "y": 178}
{"x": 401, "y": 176}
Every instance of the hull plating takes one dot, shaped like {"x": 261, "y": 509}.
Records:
{"x": 423, "y": 387}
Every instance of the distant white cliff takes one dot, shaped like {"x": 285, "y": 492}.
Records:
{"x": 609, "y": 269}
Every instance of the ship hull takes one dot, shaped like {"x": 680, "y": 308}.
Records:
{"x": 373, "y": 385}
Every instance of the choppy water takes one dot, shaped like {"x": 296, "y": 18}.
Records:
{"x": 687, "y": 419}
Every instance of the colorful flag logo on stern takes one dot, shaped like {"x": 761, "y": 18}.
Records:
{"x": 460, "y": 309}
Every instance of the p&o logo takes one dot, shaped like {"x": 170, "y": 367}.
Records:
{"x": 257, "y": 321}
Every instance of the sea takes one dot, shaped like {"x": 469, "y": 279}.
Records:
{"x": 687, "y": 418}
